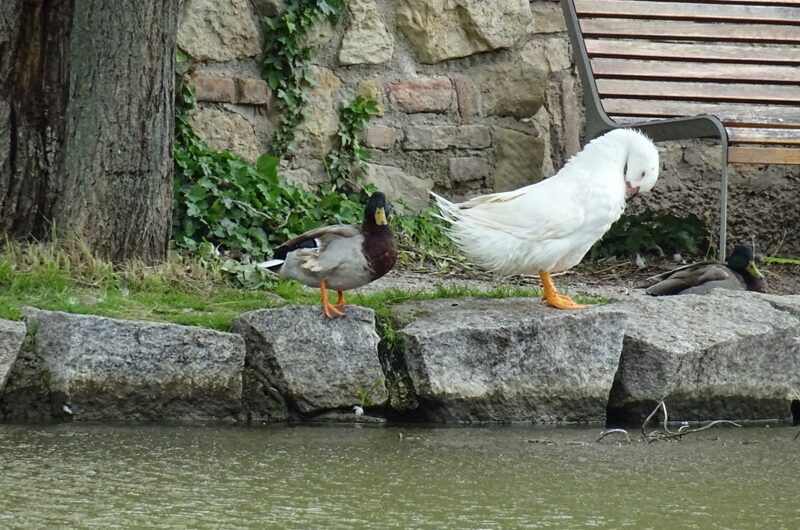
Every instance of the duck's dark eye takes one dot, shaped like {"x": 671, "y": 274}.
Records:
{"x": 642, "y": 177}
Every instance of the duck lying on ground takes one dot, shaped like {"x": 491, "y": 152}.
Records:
{"x": 549, "y": 226}
{"x": 738, "y": 272}
{"x": 340, "y": 257}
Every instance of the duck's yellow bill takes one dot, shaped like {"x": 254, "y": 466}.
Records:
{"x": 753, "y": 270}
{"x": 380, "y": 217}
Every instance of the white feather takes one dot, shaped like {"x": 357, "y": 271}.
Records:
{"x": 270, "y": 263}
{"x": 551, "y": 225}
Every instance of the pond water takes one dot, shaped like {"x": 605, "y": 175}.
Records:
{"x": 147, "y": 476}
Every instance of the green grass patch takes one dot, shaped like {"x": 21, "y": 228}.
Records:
{"x": 66, "y": 277}
{"x": 782, "y": 261}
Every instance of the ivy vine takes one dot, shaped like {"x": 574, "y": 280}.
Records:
{"x": 286, "y": 66}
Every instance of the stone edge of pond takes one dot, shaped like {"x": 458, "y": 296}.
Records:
{"x": 727, "y": 355}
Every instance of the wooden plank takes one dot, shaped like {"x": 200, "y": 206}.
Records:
{"x": 681, "y": 30}
{"x": 753, "y": 135}
{"x": 688, "y": 11}
{"x": 764, "y": 155}
{"x": 729, "y": 113}
{"x": 699, "y": 91}
{"x": 643, "y": 69}
{"x": 740, "y": 53}
{"x": 759, "y": 2}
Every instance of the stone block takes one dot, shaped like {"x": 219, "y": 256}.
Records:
{"x": 725, "y": 355}
{"x": 469, "y": 97}
{"x": 469, "y": 168}
{"x": 12, "y": 334}
{"x": 218, "y": 30}
{"x": 315, "y": 363}
{"x": 509, "y": 360}
{"x": 223, "y": 130}
{"x": 439, "y": 137}
{"x": 110, "y": 369}
{"x": 252, "y": 91}
{"x": 443, "y": 29}
{"x": 397, "y": 184}
{"x": 367, "y": 40}
{"x": 380, "y": 136}
{"x": 548, "y": 17}
{"x": 509, "y": 89}
{"x": 520, "y": 158}
{"x": 426, "y": 94}
{"x": 214, "y": 88}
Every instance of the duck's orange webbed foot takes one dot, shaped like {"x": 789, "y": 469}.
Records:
{"x": 553, "y": 299}
{"x": 330, "y": 310}
{"x": 340, "y": 303}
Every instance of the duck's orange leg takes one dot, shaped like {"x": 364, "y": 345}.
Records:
{"x": 340, "y": 303}
{"x": 329, "y": 310}
{"x": 551, "y": 296}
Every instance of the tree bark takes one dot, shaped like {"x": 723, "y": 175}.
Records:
{"x": 86, "y": 122}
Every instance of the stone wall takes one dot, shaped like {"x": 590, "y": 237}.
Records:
{"x": 475, "y": 96}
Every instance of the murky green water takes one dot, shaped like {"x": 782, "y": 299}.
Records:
{"x": 85, "y": 476}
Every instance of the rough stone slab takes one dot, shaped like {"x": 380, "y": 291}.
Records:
{"x": 509, "y": 89}
{"x": 252, "y": 91}
{"x": 12, "y": 334}
{"x": 520, "y": 159}
{"x": 443, "y": 29}
{"x": 509, "y": 360}
{"x": 397, "y": 184}
{"x": 469, "y": 168}
{"x": 224, "y": 130}
{"x": 367, "y": 40}
{"x": 726, "y": 355}
{"x": 316, "y": 132}
{"x": 315, "y": 363}
{"x": 110, "y": 369}
{"x": 218, "y": 30}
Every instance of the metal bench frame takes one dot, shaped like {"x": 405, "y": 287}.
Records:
{"x": 598, "y": 122}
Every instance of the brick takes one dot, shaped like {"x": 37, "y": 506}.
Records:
{"x": 380, "y": 136}
{"x": 468, "y": 168}
{"x": 252, "y": 91}
{"x": 212, "y": 88}
{"x": 426, "y": 94}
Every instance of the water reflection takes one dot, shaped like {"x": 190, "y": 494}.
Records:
{"x": 101, "y": 476}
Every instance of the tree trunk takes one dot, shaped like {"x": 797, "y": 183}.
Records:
{"x": 86, "y": 122}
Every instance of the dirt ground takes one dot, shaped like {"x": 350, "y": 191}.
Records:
{"x": 611, "y": 278}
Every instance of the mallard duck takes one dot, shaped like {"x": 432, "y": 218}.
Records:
{"x": 739, "y": 272}
{"x": 340, "y": 257}
{"x": 549, "y": 226}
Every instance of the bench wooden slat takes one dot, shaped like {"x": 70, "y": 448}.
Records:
{"x": 643, "y": 69}
{"x": 754, "y": 135}
{"x": 699, "y": 91}
{"x": 741, "y": 53}
{"x": 764, "y": 155}
{"x": 790, "y": 3}
{"x": 729, "y": 113}
{"x": 688, "y": 11}
{"x": 680, "y": 30}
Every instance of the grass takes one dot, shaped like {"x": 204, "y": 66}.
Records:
{"x": 67, "y": 277}
{"x": 782, "y": 261}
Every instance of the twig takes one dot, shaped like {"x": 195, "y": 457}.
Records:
{"x": 683, "y": 430}
{"x": 796, "y": 436}
{"x": 613, "y": 431}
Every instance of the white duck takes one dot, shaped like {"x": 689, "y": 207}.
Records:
{"x": 551, "y": 225}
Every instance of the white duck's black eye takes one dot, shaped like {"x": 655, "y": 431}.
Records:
{"x": 642, "y": 177}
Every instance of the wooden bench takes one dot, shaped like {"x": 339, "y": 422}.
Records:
{"x": 676, "y": 70}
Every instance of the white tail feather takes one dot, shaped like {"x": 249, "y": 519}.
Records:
{"x": 270, "y": 263}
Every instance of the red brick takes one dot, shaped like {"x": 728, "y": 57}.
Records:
{"x": 426, "y": 94}
{"x": 208, "y": 88}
